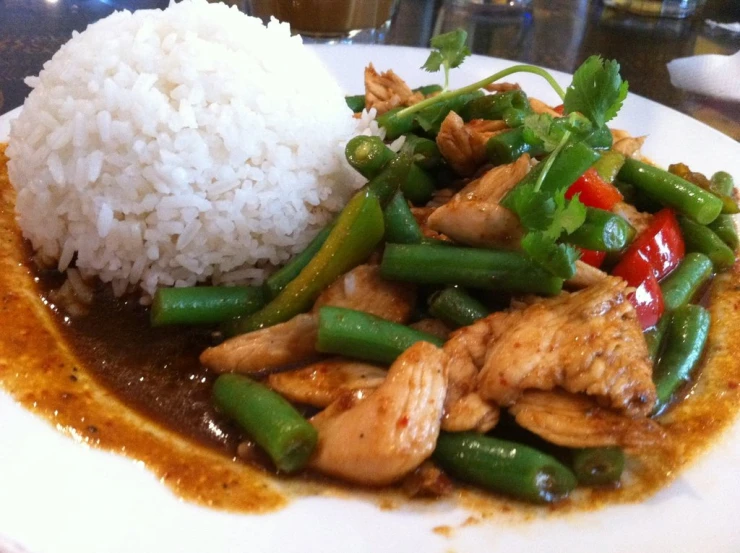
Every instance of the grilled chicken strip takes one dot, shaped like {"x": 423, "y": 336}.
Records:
{"x": 540, "y": 107}
{"x": 463, "y": 145}
{"x": 378, "y": 440}
{"x": 587, "y": 341}
{"x": 574, "y": 420}
{"x": 385, "y": 91}
{"x": 294, "y": 340}
{"x": 474, "y": 217}
{"x": 586, "y": 275}
{"x": 323, "y": 383}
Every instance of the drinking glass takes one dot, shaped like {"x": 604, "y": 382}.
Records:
{"x": 330, "y": 20}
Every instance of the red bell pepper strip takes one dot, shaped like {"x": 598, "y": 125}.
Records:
{"x": 559, "y": 109}
{"x": 661, "y": 245}
{"x": 592, "y": 257}
{"x": 594, "y": 191}
{"x": 647, "y": 297}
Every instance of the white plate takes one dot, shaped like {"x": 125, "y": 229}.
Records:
{"x": 57, "y": 496}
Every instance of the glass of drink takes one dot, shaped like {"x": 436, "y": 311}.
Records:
{"x": 330, "y": 20}
{"x": 657, "y": 8}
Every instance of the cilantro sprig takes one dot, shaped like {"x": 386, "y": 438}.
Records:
{"x": 449, "y": 51}
{"x": 593, "y": 98}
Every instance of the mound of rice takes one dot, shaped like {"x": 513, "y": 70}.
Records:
{"x": 172, "y": 147}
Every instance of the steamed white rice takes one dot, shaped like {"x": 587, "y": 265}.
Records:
{"x": 177, "y": 146}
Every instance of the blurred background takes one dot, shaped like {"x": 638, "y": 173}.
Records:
{"x": 558, "y": 34}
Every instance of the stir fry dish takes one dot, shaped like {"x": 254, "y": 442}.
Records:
{"x": 425, "y": 289}
{"x": 512, "y": 300}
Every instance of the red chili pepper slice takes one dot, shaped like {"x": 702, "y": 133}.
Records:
{"x": 595, "y": 191}
{"x": 559, "y": 109}
{"x": 661, "y": 245}
{"x": 647, "y": 297}
{"x": 592, "y": 257}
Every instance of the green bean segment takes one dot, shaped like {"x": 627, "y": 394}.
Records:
{"x": 280, "y": 278}
{"x": 368, "y": 154}
{"x": 204, "y": 305}
{"x": 507, "y": 467}
{"x": 602, "y": 231}
{"x": 423, "y": 151}
{"x": 724, "y": 227}
{"x": 654, "y": 337}
{"x": 685, "y": 339}
{"x": 598, "y": 466}
{"x": 699, "y": 238}
{"x": 476, "y": 268}
{"x": 356, "y": 102}
{"x": 363, "y": 336}
{"x": 456, "y": 308}
{"x": 400, "y": 225}
{"x": 722, "y": 183}
{"x": 509, "y": 146}
{"x": 681, "y": 285}
{"x": 670, "y": 190}
{"x": 269, "y": 419}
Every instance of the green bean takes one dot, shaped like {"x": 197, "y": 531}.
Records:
{"x": 368, "y": 155}
{"x": 430, "y": 119}
{"x": 473, "y": 267}
{"x": 204, "y": 305}
{"x": 428, "y": 89}
{"x": 654, "y": 337}
{"x": 572, "y": 162}
{"x": 509, "y": 146}
{"x": 700, "y": 205}
{"x": 699, "y": 238}
{"x": 394, "y": 124}
{"x": 269, "y": 419}
{"x": 280, "y": 278}
{"x": 597, "y": 466}
{"x": 356, "y": 233}
{"x": 685, "y": 339}
{"x": 418, "y": 186}
{"x": 456, "y": 308}
{"x": 400, "y": 225}
{"x": 394, "y": 174}
{"x": 503, "y": 466}
{"x": 681, "y": 285}
{"x": 355, "y": 103}
{"x": 363, "y": 336}
{"x": 424, "y": 152}
{"x": 495, "y": 106}
{"x": 724, "y": 227}
{"x": 722, "y": 183}
{"x": 602, "y": 231}
{"x": 608, "y": 165}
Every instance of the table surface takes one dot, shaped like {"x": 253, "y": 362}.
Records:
{"x": 558, "y": 34}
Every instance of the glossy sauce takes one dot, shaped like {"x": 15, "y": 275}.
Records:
{"x": 111, "y": 381}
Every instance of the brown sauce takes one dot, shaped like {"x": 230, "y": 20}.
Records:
{"x": 113, "y": 382}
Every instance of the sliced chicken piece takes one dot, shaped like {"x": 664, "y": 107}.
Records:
{"x": 474, "y": 217}
{"x": 379, "y": 440}
{"x": 629, "y": 146}
{"x": 324, "y": 382}
{"x": 587, "y": 341}
{"x": 502, "y": 87}
{"x": 294, "y": 341}
{"x": 539, "y": 107}
{"x": 463, "y": 145}
{"x": 637, "y": 219}
{"x": 427, "y": 481}
{"x": 469, "y": 412}
{"x": 385, "y": 91}
{"x": 439, "y": 198}
{"x": 574, "y": 420}
{"x": 586, "y": 275}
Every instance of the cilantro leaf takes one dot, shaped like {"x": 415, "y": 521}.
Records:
{"x": 559, "y": 259}
{"x": 569, "y": 215}
{"x": 449, "y": 51}
{"x": 597, "y": 90}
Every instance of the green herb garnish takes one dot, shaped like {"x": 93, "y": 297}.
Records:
{"x": 597, "y": 91}
{"x": 449, "y": 51}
